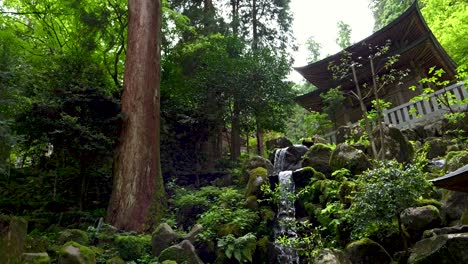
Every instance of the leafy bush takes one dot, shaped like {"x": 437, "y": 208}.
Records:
{"x": 190, "y": 204}
{"x": 383, "y": 193}
{"x": 242, "y": 248}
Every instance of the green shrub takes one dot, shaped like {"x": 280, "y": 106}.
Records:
{"x": 242, "y": 248}
{"x": 133, "y": 247}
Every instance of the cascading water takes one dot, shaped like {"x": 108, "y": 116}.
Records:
{"x": 286, "y": 210}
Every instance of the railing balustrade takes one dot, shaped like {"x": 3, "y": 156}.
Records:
{"x": 432, "y": 105}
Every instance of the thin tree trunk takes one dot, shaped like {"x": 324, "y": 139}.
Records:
{"x": 235, "y": 132}
{"x": 381, "y": 153}
{"x": 260, "y": 149}
{"x": 137, "y": 198}
{"x": 364, "y": 113}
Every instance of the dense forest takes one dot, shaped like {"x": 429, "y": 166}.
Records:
{"x": 127, "y": 127}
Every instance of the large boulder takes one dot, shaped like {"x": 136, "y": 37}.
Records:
{"x": 13, "y": 232}
{"x": 257, "y": 161}
{"x": 445, "y": 231}
{"x": 396, "y": 146}
{"x": 435, "y": 129}
{"x": 345, "y": 156}
{"x": 366, "y": 251}
{"x": 441, "y": 249}
{"x": 289, "y": 158}
{"x": 257, "y": 177}
{"x": 74, "y": 253}
{"x": 454, "y": 204}
{"x": 331, "y": 256}
{"x": 318, "y": 157}
{"x": 35, "y": 258}
{"x": 303, "y": 176}
{"x": 418, "y": 219}
{"x": 436, "y": 147}
{"x": 132, "y": 247}
{"x": 76, "y": 235}
{"x": 162, "y": 238}
{"x": 184, "y": 252}
{"x": 455, "y": 160}
{"x": 192, "y": 235}
{"x": 281, "y": 142}
{"x": 346, "y": 133}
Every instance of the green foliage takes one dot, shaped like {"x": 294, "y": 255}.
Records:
{"x": 220, "y": 221}
{"x": 190, "y": 204}
{"x": 344, "y": 35}
{"x": 333, "y": 102}
{"x": 317, "y": 123}
{"x": 446, "y": 18}
{"x": 133, "y": 247}
{"x": 373, "y": 114}
{"x": 242, "y": 248}
{"x": 313, "y": 47}
{"x": 309, "y": 241}
{"x": 383, "y": 193}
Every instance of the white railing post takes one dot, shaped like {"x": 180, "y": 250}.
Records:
{"x": 432, "y": 104}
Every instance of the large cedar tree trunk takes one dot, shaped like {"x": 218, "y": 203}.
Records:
{"x": 138, "y": 192}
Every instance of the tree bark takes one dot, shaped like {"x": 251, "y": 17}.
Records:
{"x": 235, "y": 131}
{"x": 260, "y": 149}
{"x": 137, "y": 198}
{"x": 381, "y": 152}
{"x": 364, "y": 113}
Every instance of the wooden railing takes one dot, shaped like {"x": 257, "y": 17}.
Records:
{"x": 432, "y": 105}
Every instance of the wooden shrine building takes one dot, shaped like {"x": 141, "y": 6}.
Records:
{"x": 410, "y": 38}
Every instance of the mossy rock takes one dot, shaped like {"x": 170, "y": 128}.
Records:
{"x": 115, "y": 260}
{"x": 318, "y": 157}
{"x": 302, "y": 177}
{"x": 184, "y": 252}
{"x": 76, "y": 235}
{"x": 35, "y": 258}
{"x": 169, "y": 262}
{"x": 257, "y": 177}
{"x": 345, "y": 156}
{"x": 75, "y": 253}
{"x": 256, "y": 162}
{"x": 345, "y": 190}
{"x": 436, "y": 147}
{"x": 132, "y": 247}
{"x": 455, "y": 160}
{"x": 367, "y": 251}
{"x": 13, "y": 234}
{"x": 396, "y": 145}
{"x": 251, "y": 202}
{"x": 433, "y": 202}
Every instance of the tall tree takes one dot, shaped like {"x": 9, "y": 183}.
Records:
{"x": 385, "y": 11}
{"x": 313, "y": 49}
{"x": 344, "y": 35}
{"x": 138, "y": 191}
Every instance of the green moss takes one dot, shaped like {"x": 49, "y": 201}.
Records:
{"x": 433, "y": 202}
{"x": 169, "y": 262}
{"x": 115, "y": 260}
{"x": 345, "y": 190}
{"x": 87, "y": 255}
{"x": 38, "y": 259}
{"x": 132, "y": 247}
{"x": 252, "y": 186}
{"x": 258, "y": 172}
{"x": 455, "y": 160}
{"x": 464, "y": 218}
{"x": 76, "y": 235}
{"x": 320, "y": 146}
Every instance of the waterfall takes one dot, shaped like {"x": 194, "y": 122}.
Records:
{"x": 286, "y": 210}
